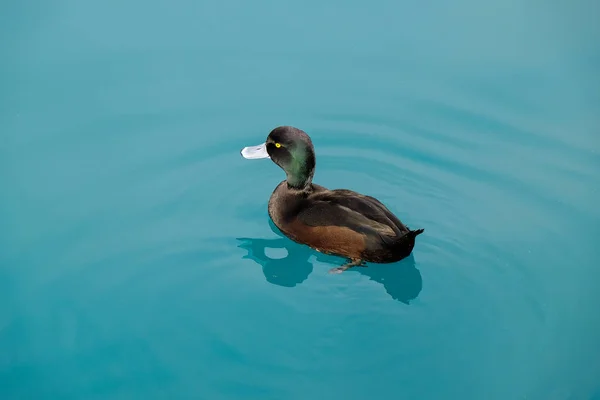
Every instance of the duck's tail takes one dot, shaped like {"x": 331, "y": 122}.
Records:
{"x": 416, "y": 232}
{"x": 405, "y": 244}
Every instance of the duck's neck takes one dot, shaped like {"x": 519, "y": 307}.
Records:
{"x": 301, "y": 169}
{"x": 300, "y": 181}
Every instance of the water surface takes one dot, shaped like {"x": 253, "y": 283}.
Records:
{"x": 137, "y": 259}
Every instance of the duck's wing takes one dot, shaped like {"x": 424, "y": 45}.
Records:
{"x": 370, "y": 206}
{"x": 401, "y": 227}
{"x": 348, "y": 209}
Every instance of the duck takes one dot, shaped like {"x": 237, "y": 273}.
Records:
{"x": 339, "y": 222}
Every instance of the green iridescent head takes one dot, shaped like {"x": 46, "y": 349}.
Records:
{"x": 292, "y": 150}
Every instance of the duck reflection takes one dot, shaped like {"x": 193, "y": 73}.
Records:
{"x": 401, "y": 280}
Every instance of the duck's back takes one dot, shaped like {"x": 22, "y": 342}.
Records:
{"x": 368, "y": 207}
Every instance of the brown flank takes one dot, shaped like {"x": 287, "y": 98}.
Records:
{"x": 328, "y": 239}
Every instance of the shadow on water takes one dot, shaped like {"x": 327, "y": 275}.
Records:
{"x": 401, "y": 280}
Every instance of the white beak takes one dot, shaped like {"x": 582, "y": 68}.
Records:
{"x": 255, "y": 152}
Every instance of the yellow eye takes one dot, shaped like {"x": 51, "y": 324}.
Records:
{"x": 278, "y": 145}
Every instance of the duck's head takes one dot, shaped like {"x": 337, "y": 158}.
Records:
{"x": 292, "y": 150}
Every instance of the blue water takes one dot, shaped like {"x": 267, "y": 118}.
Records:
{"x": 137, "y": 259}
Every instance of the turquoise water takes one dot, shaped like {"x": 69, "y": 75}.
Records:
{"x": 137, "y": 259}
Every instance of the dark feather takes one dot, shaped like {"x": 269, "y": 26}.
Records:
{"x": 350, "y": 209}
